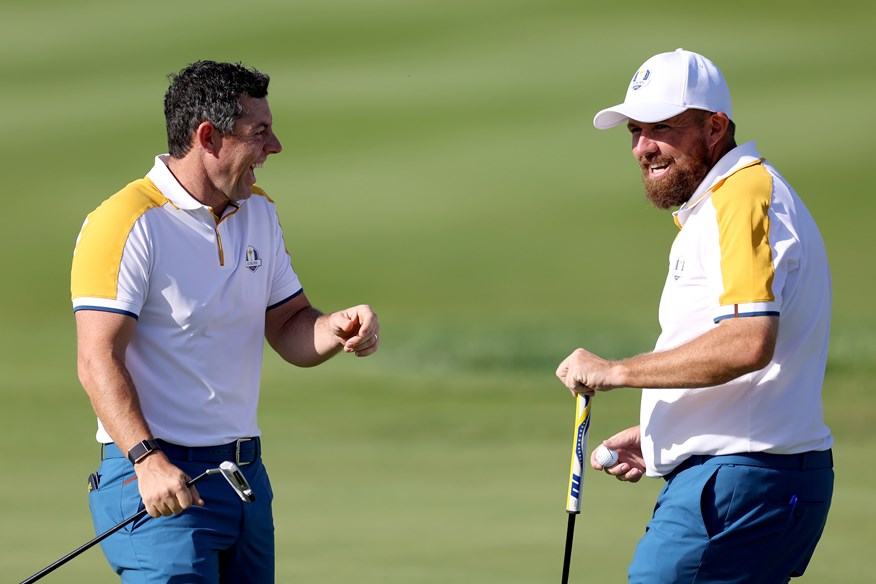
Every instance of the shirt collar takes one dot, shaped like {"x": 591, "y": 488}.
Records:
{"x": 735, "y": 160}
{"x": 170, "y": 187}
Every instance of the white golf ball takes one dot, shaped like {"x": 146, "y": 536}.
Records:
{"x": 605, "y": 456}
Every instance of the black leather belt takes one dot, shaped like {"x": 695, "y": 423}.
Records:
{"x": 241, "y": 452}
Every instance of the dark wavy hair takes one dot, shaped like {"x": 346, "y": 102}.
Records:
{"x": 207, "y": 91}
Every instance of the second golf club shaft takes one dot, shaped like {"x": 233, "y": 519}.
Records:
{"x": 98, "y": 539}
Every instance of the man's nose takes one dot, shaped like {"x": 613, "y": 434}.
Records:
{"x": 274, "y": 146}
{"x": 644, "y": 146}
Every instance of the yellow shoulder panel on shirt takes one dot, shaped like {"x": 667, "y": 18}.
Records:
{"x": 259, "y": 191}
{"x": 741, "y": 206}
{"x": 98, "y": 254}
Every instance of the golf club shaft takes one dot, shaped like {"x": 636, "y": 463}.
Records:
{"x": 97, "y": 539}
{"x": 567, "y": 558}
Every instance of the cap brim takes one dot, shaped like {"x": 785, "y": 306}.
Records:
{"x": 647, "y": 113}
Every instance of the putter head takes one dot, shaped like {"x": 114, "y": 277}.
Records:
{"x": 238, "y": 482}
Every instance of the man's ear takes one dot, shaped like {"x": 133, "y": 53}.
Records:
{"x": 208, "y": 138}
{"x": 718, "y": 124}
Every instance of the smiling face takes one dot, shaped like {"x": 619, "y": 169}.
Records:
{"x": 675, "y": 155}
{"x": 245, "y": 149}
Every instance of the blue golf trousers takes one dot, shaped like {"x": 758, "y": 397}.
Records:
{"x": 227, "y": 540}
{"x": 747, "y": 518}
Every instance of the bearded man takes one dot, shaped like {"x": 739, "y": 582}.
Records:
{"x": 731, "y": 413}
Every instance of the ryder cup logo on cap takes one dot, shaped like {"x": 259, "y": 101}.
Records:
{"x": 667, "y": 85}
{"x": 640, "y": 79}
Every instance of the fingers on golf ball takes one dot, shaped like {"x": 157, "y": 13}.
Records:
{"x": 605, "y": 456}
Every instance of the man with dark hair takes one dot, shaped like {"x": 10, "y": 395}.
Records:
{"x": 208, "y": 90}
{"x": 731, "y": 414}
{"x": 177, "y": 279}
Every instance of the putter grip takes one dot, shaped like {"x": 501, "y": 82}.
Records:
{"x": 579, "y": 451}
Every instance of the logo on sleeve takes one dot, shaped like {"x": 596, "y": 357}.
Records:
{"x": 678, "y": 268}
{"x": 253, "y": 259}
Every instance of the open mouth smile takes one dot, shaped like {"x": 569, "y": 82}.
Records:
{"x": 253, "y": 168}
{"x": 656, "y": 169}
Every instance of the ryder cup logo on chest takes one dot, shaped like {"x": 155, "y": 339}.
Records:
{"x": 253, "y": 260}
{"x": 640, "y": 79}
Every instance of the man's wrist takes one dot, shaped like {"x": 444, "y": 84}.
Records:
{"x": 142, "y": 449}
{"x": 619, "y": 374}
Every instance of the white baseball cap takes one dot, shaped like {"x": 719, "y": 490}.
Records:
{"x": 667, "y": 85}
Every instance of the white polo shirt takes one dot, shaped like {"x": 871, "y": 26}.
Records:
{"x": 199, "y": 289}
{"x": 747, "y": 246}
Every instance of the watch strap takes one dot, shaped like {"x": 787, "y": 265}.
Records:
{"x": 142, "y": 449}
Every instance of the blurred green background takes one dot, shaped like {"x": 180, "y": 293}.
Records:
{"x": 440, "y": 164}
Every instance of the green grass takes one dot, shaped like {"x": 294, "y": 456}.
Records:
{"x": 439, "y": 163}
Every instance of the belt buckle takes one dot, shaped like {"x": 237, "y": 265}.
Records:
{"x": 237, "y": 444}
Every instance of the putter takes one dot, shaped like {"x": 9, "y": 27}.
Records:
{"x": 236, "y": 479}
{"x": 583, "y": 404}
{"x": 227, "y": 469}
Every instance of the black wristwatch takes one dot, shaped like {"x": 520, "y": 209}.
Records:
{"x": 142, "y": 449}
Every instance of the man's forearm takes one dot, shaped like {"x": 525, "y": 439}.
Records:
{"x": 114, "y": 400}
{"x": 102, "y": 340}
{"x": 303, "y": 337}
{"x": 728, "y": 351}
